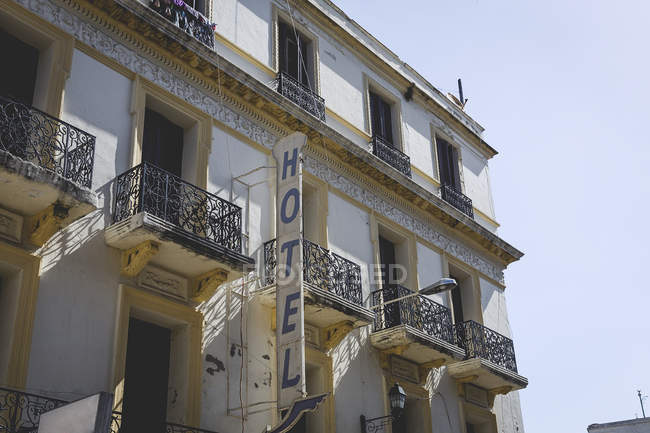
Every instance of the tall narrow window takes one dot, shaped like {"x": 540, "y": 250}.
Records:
{"x": 448, "y": 164}
{"x": 162, "y": 143}
{"x": 146, "y": 377}
{"x": 295, "y": 55}
{"x": 457, "y": 304}
{"x": 18, "y": 73}
{"x": 381, "y": 119}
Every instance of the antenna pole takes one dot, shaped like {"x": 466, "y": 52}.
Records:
{"x": 460, "y": 92}
{"x": 641, "y": 400}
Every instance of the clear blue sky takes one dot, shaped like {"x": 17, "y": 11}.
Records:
{"x": 563, "y": 89}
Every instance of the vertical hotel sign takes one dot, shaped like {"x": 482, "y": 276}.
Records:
{"x": 290, "y": 330}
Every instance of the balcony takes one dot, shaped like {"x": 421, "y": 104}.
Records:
{"x": 46, "y": 169}
{"x": 392, "y": 156}
{"x": 300, "y": 95}
{"x": 159, "y": 218}
{"x": 332, "y": 287}
{"x": 415, "y": 328}
{"x": 186, "y": 18}
{"x": 20, "y": 412}
{"x": 490, "y": 359}
{"x": 457, "y": 199}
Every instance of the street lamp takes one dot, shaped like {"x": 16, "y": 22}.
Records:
{"x": 442, "y": 285}
{"x": 397, "y": 398}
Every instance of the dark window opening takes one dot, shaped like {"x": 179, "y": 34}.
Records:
{"x": 389, "y": 272}
{"x": 457, "y": 303}
{"x": 448, "y": 164}
{"x": 146, "y": 378}
{"x": 18, "y": 73}
{"x": 381, "y": 118}
{"x": 162, "y": 142}
{"x": 295, "y": 54}
{"x": 197, "y": 5}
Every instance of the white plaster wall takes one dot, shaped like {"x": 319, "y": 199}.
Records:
{"x": 493, "y": 302}
{"x": 477, "y": 186}
{"x": 430, "y": 270}
{"x": 231, "y": 157}
{"x": 89, "y": 105}
{"x": 348, "y": 233}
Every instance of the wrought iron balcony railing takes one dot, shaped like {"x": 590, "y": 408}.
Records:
{"x": 50, "y": 143}
{"x": 321, "y": 268}
{"x": 147, "y": 188}
{"x": 389, "y": 154}
{"x": 301, "y": 95}
{"x": 187, "y": 19}
{"x": 481, "y": 342}
{"x": 170, "y": 427}
{"x": 457, "y": 199}
{"x": 417, "y": 311}
{"x": 20, "y": 411}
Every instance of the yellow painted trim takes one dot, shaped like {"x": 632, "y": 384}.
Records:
{"x": 134, "y": 301}
{"x": 316, "y": 357}
{"x": 140, "y": 91}
{"x": 29, "y": 27}
{"x": 17, "y": 368}
{"x": 323, "y": 204}
{"x": 426, "y": 177}
{"x": 486, "y": 217}
{"x": 264, "y": 68}
{"x": 363, "y": 134}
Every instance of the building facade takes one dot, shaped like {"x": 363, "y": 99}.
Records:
{"x": 138, "y": 222}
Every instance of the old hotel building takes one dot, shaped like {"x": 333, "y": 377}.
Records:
{"x": 137, "y": 215}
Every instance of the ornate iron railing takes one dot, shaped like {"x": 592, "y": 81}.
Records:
{"x": 482, "y": 342}
{"x": 457, "y": 199}
{"x": 417, "y": 311}
{"x": 147, "y": 188}
{"x": 170, "y": 427}
{"x": 389, "y": 154}
{"x": 187, "y": 19}
{"x": 301, "y": 95}
{"x": 53, "y": 144}
{"x": 321, "y": 268}
{"x": 20, "y": 411}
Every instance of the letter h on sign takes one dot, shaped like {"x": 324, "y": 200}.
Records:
{"x": 290, "y": 332}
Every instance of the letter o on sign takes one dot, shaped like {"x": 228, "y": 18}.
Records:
{"x": 286, "y": 219}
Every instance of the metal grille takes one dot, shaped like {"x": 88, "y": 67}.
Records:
{"x": 170, "y": 427}
{"x": 394, "y": 157}
{"x": 321, "y": 268}
{"x": 458, "y": 200}
{"x": 147, "y": 188}
{"x": 187, "y": 19}
{"x": 301, "y": 95}
{"x": 481, "y": 342}
{"x": 417, "y": 311}
{"x": 50, "y": 143}
{"x": 20, "y": 412}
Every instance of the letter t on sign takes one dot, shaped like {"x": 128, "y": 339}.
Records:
{"x": 290, "y": 332}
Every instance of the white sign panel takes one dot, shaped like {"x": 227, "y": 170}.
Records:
{"x": 290, "y": 332}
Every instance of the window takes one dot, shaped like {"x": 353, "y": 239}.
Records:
{"x": 162, "y": 142}
{"x": 464, "y": 303}
{"x": 381, "y": 121}
{"x": 448, "y": 164}
{"x": 197, "y": 5}
{"x": 18, "y": 76}
{"x": 295, "y": 55}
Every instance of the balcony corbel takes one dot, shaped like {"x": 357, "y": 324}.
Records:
{"x": 204, "y": 286}
{"x": 136, "y": 258}
{"x": 44, "y": 224}
{"x": 334, "y": 334}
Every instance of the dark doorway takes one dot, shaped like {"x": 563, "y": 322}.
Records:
{"x": 457, "y": 302}
{"x": 162, "y": 142}
{"x": 294, "y": 54}
{"x": 18, "y": 72}
{"x": 380, "y": 118}
{"x": 389, "y": 272}
{"x": 448, "y": 164}
{"x": 146, "y": 378}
